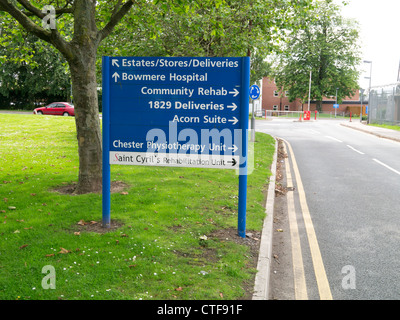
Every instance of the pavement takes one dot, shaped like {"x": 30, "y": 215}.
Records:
{"x": 262, "y": 280}
{"x": 376, "y": 131}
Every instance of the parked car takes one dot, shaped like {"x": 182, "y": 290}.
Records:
{"x": 57, "y": 109}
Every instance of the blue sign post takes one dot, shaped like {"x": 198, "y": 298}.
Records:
{"x": 335, "y": 106}
{"x": 186, "y": 112}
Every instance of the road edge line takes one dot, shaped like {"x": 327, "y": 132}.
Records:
{"x": 300, "y": 286}
{"x": 319, "y": 268}
{"x": 261, "y": 286}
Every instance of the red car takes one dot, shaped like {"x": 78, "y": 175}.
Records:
{"x": 57, "y": 109}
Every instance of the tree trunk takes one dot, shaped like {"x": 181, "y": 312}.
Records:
{"x": 319, "y": 105}
{"x": 82, "y": 62}
{"x": 84, "y": 88}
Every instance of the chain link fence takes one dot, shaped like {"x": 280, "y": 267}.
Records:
{"x": 384, "y": 104}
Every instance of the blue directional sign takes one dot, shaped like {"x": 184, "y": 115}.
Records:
{"x": 255, "y": 92}
{"x": 335, "y": 106}
{"x": 185, "y": 112}
{"x": 175, "y": 111}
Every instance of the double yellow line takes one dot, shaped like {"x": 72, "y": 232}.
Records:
{"x": 297, "y": 257}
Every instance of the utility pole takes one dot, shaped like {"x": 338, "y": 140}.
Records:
{"x": 309, "y": 91}
{"x": 369, "y": 85}
{"x": 336, "y": 100}
{"x": 361, "y": 100}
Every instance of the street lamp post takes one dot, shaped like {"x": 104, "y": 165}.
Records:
{"x": 361, "y": 101}
{"x": 336, "y": 100}
{"x": 369, "y": 85}
{"x": 309, "y": 91}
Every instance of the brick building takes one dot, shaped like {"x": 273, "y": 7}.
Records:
{"x": 274, "y": 99}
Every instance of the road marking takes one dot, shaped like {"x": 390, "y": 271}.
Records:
{"x": 386, "y": 166}
{"x": 333, "y": 138}
{"x": 314, "y": 131}
{"x": 319, "y": 269}
{"x": 355, "y": 150}
{"x": 300, "y": 287}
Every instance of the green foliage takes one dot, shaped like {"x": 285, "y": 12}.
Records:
{"x": 33, "y": 72}
{"x": 327, "y": 46}
{"x": 208, "y": 28}
{"x": 156, "y": 28}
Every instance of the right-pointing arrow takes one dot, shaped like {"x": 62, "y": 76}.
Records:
{"x": 235, "y": 92}
{"x": 234, "y": 120}
{"x": 233, "y": 106}
{"x": 234, "y": 148}
{"x": 233, "y": 162}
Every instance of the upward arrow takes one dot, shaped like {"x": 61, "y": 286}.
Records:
{"x": 115, "y": 76}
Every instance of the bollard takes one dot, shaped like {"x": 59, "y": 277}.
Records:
{"x": 350, "y": 116}
{"x": 316, "y": 114}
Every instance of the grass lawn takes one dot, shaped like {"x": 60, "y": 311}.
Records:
{"x": 175, "y": 228}
{"x": 386, "y": 126}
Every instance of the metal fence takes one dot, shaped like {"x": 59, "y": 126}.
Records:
{"x": 384, "y": 104}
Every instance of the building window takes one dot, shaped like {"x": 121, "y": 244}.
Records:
{"x": 287, "y": 93}
{"x": 287, "y": 108}
{"x": 276, "y": 93}
{"x": 275, "y": 107}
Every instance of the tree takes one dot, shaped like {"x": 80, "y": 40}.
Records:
{"x": 92, "y": 22}
{"x": 327, "y": 47}
{"x": 82, "y": 25}
{"x": 210, "y": 28}
{"x": 42, "y": 77}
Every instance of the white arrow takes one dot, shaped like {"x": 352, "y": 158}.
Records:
{"x": 233, "y": 106}
{"x": 235, "y": 92}
{"x": 234, "y": 148}
{"x": 115, "y": 76}
{"x": 234, "y": 120}
{"x": 114, "y": 62}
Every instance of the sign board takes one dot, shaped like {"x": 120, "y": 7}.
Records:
{"x": 255, "y": 92}
{"x": 176, "y": 111}
{"x": 307, "y": 115}
{"x": 335, "y": 106}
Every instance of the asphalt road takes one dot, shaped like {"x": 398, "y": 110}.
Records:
{"x": 351, "y": 183}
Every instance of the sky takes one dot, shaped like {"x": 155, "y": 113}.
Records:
{"x": 380, "y": 43}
